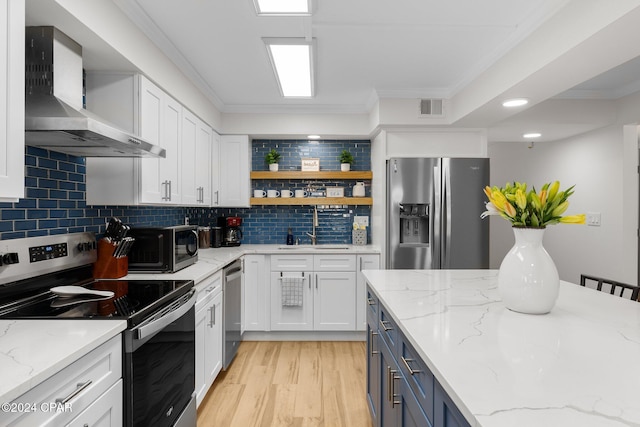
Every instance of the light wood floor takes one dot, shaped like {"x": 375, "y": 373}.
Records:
{"x": 290, "y": 384}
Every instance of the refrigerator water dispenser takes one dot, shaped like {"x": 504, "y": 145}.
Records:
{"x": 414, "y": 224}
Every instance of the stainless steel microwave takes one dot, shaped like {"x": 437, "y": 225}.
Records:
{"x": 163, "y": 249}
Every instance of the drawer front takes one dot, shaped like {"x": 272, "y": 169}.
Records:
{"x": 334, "y": 262}
{"x": 78, "y": 386}
{"x": 387, "y": 328}
{"x": 209, "y": 287}
{"x": 372, "y": 306}
{"x": 417, "y": 375}
{"x": 292, "y": 262}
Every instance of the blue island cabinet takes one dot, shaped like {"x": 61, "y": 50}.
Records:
{"x": 401, "y": 390}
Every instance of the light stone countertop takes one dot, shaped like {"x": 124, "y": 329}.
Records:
{"x": 213, "y": 259}
{"x": 576, "y": 366}
{"x": 33, "y": 350}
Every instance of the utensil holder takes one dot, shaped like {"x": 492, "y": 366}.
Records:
{"x": 108, "y": 267}
{"x": 359, "y": 237}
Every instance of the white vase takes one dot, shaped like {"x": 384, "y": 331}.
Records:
{"x": 273, "y": 167}
{"x": 528, "y": 280}
{"x": 345, "y": 167}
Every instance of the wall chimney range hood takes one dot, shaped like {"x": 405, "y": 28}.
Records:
{"x": 54, "y": 115}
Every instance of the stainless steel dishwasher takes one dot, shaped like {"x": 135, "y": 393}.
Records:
{"x": 232, "y": 310}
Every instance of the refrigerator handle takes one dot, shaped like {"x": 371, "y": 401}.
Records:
{"x": 446, "y": 216}
{"x": 436, "y": 217}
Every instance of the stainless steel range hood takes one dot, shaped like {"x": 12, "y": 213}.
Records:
{"x": 54, "y": 117}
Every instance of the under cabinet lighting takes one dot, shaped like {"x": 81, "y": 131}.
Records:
{"x": 517, "y": 102}
{"x": 283, "y": 7}
{"x": 292, "y": 61}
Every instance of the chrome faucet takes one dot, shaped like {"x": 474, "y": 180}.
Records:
{"x": 313, "y": 235}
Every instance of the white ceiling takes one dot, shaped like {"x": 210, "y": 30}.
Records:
{"x": 365, "y": 48}
{"x": 369, "y": 50}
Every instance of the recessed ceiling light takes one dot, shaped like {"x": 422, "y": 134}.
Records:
{"x": 313, "y": 136}
{"x": 283, "y": 7}
{"x": 532, "y": 135}
{"x": 516, "y": 102}
{"x": 292, "y": 61}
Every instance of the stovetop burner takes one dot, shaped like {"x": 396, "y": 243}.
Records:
{"x": 133, "y": 299}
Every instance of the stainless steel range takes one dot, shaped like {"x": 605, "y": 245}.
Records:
{"x": 159, "y": 342}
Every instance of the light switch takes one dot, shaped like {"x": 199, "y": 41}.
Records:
{"x": 593, "y": 219}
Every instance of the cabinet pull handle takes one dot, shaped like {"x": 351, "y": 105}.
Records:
{"x": 361, "y": 263}
{"x": 169, "y": 193}
{"x": 406, "y": 363}
{"x": 394, "y": 377}
{"x": 316, "y": 281}
{"x": 389, "y": 383}
{"x": 383, "y": 324}
{"x": 216, "y": 193}
{"x": 77, "y": 391}
{"x": 212, "y": 316}
{"x": 164, "y": 187}
{"x": 371, "y": 341}
{"x": 371, "y": 301}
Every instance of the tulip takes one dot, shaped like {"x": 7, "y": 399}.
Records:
{"x": 574, "y": 219}
{"x": 509, "y": 210}
{"x": 521, "y": 199}
{"x": 560, "y": 209}
{"x": 553, "y": 191}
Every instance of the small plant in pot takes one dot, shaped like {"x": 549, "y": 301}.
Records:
{"x": 346, "y": 158}
{"x": 272, "y": 159}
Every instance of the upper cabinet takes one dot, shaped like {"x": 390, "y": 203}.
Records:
{"x": 134, "y": 103}
{"x": 230, "y": 181}
{"x": 12, "y": 100}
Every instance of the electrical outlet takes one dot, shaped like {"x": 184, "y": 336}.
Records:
{"x": 364, "y": 220}
{"x": 593, "y": 219}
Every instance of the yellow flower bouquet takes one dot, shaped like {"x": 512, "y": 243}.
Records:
{"x": 528, "y": 208}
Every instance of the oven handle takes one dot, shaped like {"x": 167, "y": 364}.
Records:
{"x": 167, "y": 316}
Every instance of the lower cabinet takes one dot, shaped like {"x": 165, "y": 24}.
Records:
{"x": 87, "y": 392}
{"x": 208, "y": 334}
{"x": 256, "y": 283}
{"x": 401, "y": 390}
{"x": 313, "y": 292}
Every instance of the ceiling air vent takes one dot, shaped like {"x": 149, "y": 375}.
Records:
{"x": 431, "y": 107}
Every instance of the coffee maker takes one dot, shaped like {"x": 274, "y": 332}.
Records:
{"x": 231, "y": 232}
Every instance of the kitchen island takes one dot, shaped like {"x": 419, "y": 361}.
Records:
{"x": 576, "y": 366}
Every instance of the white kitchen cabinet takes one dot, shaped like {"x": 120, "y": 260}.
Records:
{"x": 12, "y": 54}
{"x": 135, "y": 104}
{"x": 103, "y": 412}
{"x": 204, "y": 137}
{"x": 88, "y": 384}
{"x": 256, "y": 292}
{"x": 195, "y": 153}
{"x": 334, "y": 301}
{"x": 291, "y": 316}
{"x": 215, "y": 169}
{"x": 160, "y": 118}
{"x": 234, "y": 166}
{"x": 364, "y": 262}
{"x": 328, "y": 292}
{"x": 208, "y": 333}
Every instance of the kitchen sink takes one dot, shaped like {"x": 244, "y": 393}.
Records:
{"x": 307, "y": 247}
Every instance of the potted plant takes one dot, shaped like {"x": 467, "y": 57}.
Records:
{"x": 272, "y": 159}
{"x": 346, "y": 158}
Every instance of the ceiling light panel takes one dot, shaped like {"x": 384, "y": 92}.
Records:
{"x": 293, "y": 65}
{"x": 283, "y": 7}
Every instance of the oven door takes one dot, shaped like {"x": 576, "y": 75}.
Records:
{"x": 159, "y": 369}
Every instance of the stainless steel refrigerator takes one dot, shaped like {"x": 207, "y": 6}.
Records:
{"x": 433, "y": 213}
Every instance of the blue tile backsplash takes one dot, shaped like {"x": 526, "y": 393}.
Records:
{"x": 55, "y": 201}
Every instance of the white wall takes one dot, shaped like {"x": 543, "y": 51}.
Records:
{"x": 597, "y": 164}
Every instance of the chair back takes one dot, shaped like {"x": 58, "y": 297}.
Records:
{"x": 611, "y": 286}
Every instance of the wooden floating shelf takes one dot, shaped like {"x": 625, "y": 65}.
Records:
{"x": 311, "y": 175}
{"x": 310, "y": 201}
